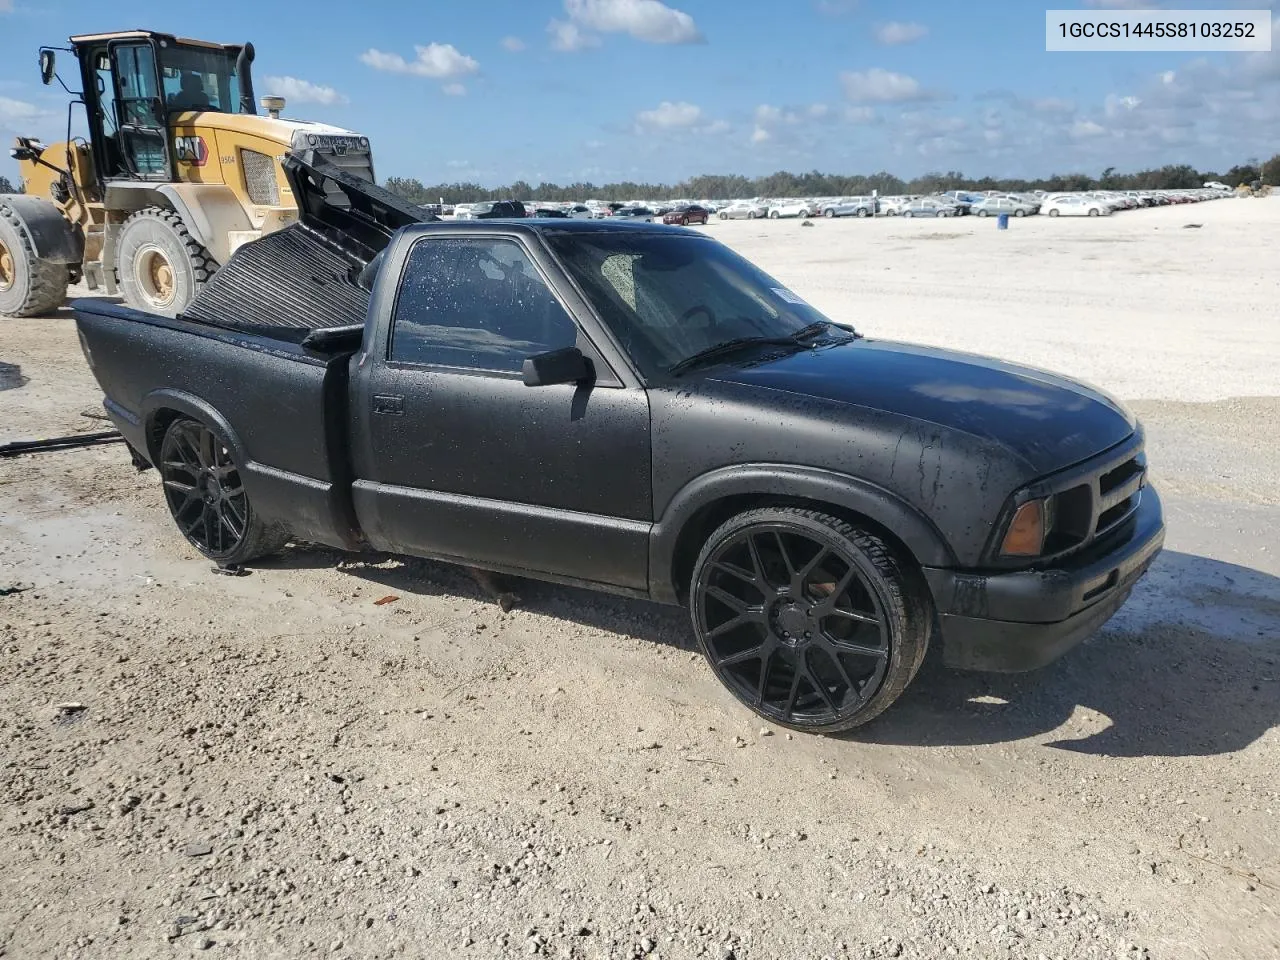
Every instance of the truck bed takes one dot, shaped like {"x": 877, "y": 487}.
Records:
{"x": 295, "y": 460}
{"x": 290, "y": 280}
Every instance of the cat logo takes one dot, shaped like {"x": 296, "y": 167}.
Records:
{"x": 339, "y": 148}
{"x": 190, "y": 150}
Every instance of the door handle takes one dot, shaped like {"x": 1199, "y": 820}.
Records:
{"x": 389, "y": 405}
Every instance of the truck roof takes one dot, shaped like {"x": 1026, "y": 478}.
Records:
{"x": 552, "y": 225}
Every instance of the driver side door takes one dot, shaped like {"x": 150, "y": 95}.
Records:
{"x": 457, "y": 459}
{"x": 140, "y": 114}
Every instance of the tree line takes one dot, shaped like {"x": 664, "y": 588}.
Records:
{"x": 815, "y": 184}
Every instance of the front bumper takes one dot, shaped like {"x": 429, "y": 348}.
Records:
{"x": 1010, "y": 622}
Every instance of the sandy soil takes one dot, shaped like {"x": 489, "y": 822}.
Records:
{"x": 274, "y": 766}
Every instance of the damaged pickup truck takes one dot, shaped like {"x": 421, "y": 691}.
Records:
{"x": 635, "y": 409}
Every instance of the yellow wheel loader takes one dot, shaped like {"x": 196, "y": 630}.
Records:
{"x": 177, "y": 171}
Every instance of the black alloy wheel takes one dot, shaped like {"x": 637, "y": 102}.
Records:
{"x": 207, "y": 499}
{"x": 203, "y": 488}
{"x": 806, "y": 619}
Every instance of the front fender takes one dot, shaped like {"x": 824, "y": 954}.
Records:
{"x": 782, "y": 480}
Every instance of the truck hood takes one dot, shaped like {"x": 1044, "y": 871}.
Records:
{"x": 278, "y": 129}
{"x": 1049, "y": 421}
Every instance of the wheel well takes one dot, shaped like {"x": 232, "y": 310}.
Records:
{"x": 159, "y": 425}
{"x": 704, "y": 522}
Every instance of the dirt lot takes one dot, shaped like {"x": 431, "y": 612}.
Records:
{"x": 274, "y": 766}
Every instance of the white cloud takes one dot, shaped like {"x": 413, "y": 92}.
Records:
{"x": 458, "y": 164}
{"x": 302, "y": 91}
{"x": 1086, "y": 129}
{"x": 859, "y": 114}
{"x": 18, "y": 110}
{"x": 568, "y": 37}
{"x": 1052, "y": 105}
{"x": 440, "y": 61}
{"x": 818, "y": 110}
{"x": 512, "y": 44}
{"x": 669, "y": 116}
{"x": 455, "y": 89}
{"x": 716, "y": 127}
{"x": 647, "y": 20}
{"x": 881, "y": 86}
{"x": 6, "y": 6}
{"x": 760, "y": 135}
{"x": 1115, "y": 106}
{"x": 895, "y": 33}
{"x": 767, "y": 114}
{"x": 1122, "y": 4}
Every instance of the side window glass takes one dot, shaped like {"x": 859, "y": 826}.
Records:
{"x": 478, "y": 304}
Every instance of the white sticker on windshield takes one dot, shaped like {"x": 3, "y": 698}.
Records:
{"x": 787, "y": 295}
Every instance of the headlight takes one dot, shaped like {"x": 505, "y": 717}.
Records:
{"x": 1027, "y": 530}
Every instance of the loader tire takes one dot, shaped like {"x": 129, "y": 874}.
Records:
{"x": 160, "y": 265}
{"x": 29, "y": 286}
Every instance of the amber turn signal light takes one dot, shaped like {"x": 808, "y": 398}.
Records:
{"x": 1026, "y": 533}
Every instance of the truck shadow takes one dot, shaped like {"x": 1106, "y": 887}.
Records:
{"x": 11, "y": 377}
{"x": 1189, "y": 667}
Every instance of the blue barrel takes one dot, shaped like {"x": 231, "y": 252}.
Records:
{"x": 1002, "y": 221}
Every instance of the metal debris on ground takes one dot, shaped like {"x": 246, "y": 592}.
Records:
{"x": 17, "y": 447}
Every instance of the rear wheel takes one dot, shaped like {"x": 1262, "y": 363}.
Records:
{"x": 1053, "y": 213}
{"x": 29, "y": 286}
{"x": 160, "y": 265}
{"x": 906, "y": 214}
{"x": 774, "y": 215}
{"x": 982, "y": 213}
{"x": 724, "y": 216}
{"x": 808, "y": 620}
{"x": 829, "y": 213}
{"x": 863, "y": 213}
{"x": 207, "y": 499}
{"x": 1093, "y": 211}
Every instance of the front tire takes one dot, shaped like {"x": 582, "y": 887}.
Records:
{"x": 906, "y": 214}
{"x": 160, "y": 265}
{"x": 206, "y": 496}
{"x": 774, "y": 215}
{"x": 829, "y": 213}
{"x": 1093, "y": 211}
{"x": 1053, "y": 213}
{"x": 863, "y": 213}
{"x": 1019, "y": 213}
{"x": 808, "y": 620}
{"x": 29, "y": 286}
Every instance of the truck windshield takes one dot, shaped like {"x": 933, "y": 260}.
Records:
{"x": 200, "y": 78}
{"x": 668, "y": 298}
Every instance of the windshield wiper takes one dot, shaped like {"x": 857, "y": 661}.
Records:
{"x": 728, "y": 347}
{"x": 738, "y": 343}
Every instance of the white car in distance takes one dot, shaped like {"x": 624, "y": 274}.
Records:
{"x": 1074, "y": 207}
{"x": 788, "y": 208}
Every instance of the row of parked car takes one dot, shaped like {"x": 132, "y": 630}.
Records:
{"x": 955, "y": 203}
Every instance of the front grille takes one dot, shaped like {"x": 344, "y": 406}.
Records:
{"x": 1088, "y": 503}
{"x": 260, "y": 178}
{"x": 1119, "y": 491}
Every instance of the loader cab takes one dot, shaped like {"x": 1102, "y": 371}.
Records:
{"x": 136, "y": 82}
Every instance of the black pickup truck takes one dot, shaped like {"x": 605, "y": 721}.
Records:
{"x": 636, "y": 409}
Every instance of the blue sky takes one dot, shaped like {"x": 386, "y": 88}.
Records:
{"x": 602, "y": 90}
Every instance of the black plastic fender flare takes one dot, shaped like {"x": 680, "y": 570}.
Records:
{"x": 192, "y": 406}
{"x": 904, "y": 521}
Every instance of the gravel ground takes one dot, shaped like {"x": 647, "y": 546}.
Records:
{"x": 278, "y": 766}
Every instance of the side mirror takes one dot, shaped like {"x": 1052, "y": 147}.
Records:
{"x": 557, "y": 366}
{"x": 47, "y": 66}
